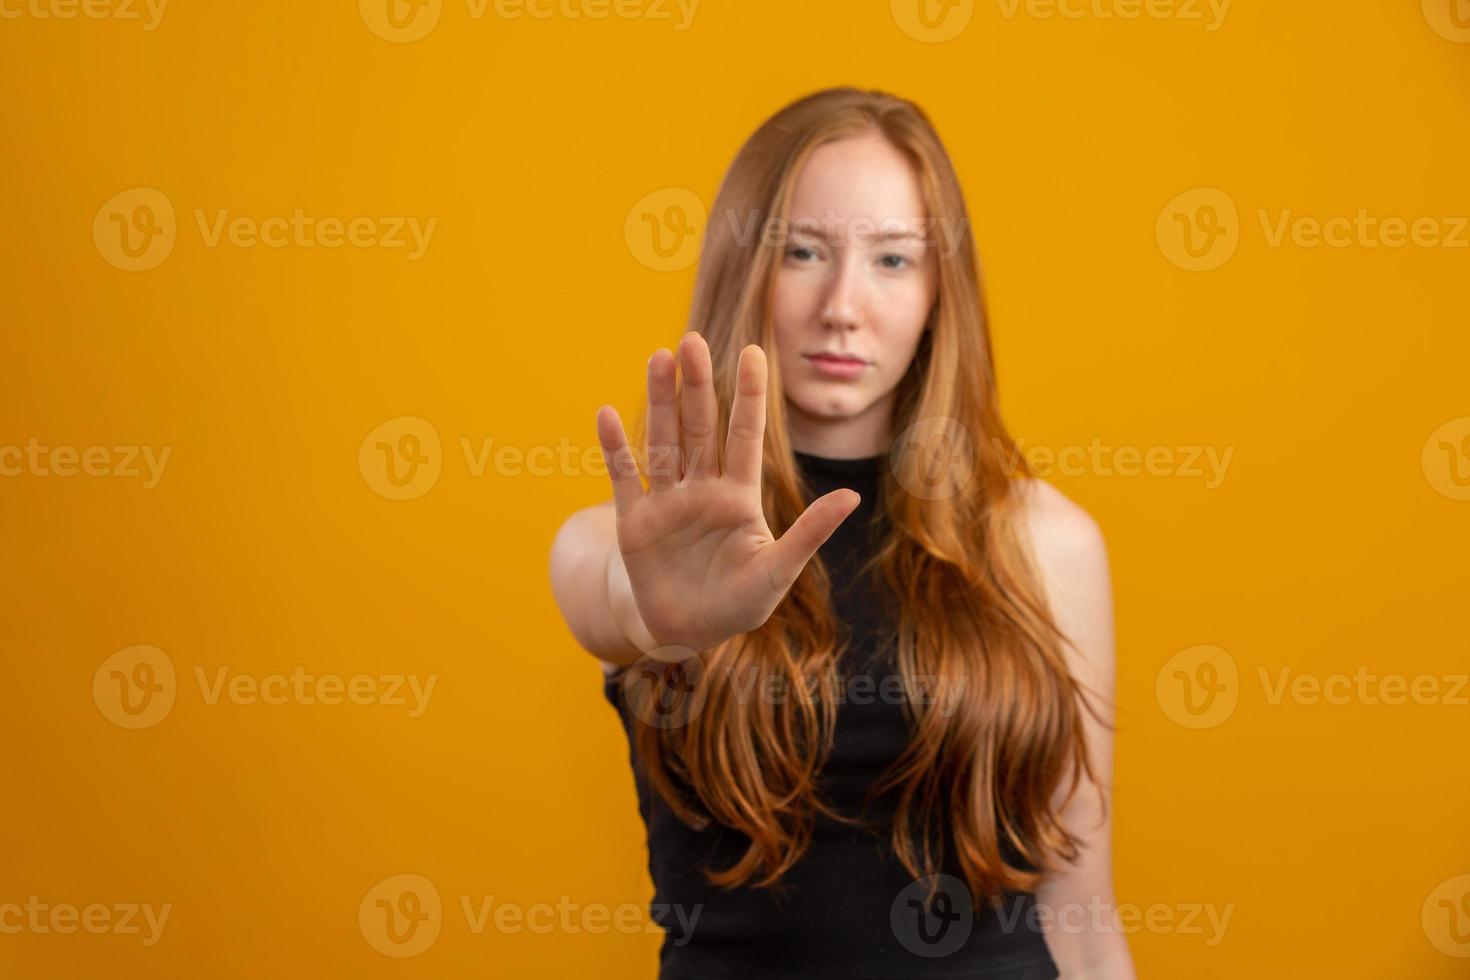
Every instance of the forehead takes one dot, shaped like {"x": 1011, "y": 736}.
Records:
{"x": 862, "y": 177}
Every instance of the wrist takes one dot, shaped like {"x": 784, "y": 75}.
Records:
{"x": 630, "y": 626}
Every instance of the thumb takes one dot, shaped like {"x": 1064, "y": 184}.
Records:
{"x": 788, "y": 555}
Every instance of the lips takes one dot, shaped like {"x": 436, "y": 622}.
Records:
{"x": 841, "y": 367}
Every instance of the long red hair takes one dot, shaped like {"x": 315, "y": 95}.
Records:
{"x": 1003, "y": 731}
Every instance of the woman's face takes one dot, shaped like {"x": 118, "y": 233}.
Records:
{"x": 857, "y": 280}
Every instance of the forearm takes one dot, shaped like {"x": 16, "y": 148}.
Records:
{"x": 591, "y": 589}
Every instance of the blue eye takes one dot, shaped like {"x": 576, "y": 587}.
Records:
{"x": 798, "y": 251}
{"x": 900, "y": 258}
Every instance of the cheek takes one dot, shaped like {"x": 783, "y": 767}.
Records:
{"x": 792, "y": 299}
{"x": 904, "y": 310}
{"x": 792, "y": 308}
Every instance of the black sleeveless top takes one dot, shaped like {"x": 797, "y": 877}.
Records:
{"x": 848, "y": 909}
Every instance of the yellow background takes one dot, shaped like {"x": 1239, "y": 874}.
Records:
{"x": 1327, "y": 547}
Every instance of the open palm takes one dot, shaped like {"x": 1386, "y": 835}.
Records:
{"x": 702, "y": 563}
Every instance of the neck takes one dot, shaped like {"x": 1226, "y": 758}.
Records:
{"x": 860, "y": 436}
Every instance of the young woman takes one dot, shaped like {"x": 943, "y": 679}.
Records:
{"x": 862, "y": 658}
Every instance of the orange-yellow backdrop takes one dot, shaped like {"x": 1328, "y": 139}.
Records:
{"x": 1326, "y": 545}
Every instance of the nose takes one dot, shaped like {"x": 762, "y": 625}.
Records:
{"x": 842, "y": 308}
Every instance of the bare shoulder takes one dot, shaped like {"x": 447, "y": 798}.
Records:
{"x": 1056, "y": 526}
{"x": 1072, "y": 559}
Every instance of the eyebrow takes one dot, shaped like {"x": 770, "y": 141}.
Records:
{"x": 887, "y": 235}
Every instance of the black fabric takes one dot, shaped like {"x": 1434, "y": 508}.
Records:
{"x": 839, "y": 912}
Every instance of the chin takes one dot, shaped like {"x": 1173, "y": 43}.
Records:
{"x": 813, "y": 402}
